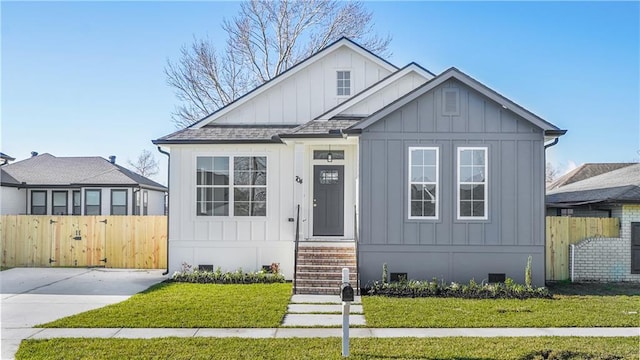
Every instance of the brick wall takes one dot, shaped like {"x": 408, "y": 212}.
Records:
{"x": 607, "y": 259}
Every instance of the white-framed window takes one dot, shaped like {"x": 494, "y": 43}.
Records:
{"x": 424, "y": 182}
{"x": 344, "y": 83}
{"x": 231, "y": 186}
{"x": 472, "y": 183}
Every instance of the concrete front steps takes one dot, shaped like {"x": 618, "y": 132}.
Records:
{"x": 321, "y": 311}
{"x": 319, "y": 269}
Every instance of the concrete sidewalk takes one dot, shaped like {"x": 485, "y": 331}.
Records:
{"x": 130, "y": 333}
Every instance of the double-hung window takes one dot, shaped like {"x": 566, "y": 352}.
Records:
{"x": 344, "y": 83}
{"x": 93, "y": 202}
{"x": 118, "y": 202}
{"x": 38, "y": 202}
{"x": 472, "y": 183}
{"x": 59, "y": 203}
{"x": 423, "y": 182}
{"x": 231, "y": 186}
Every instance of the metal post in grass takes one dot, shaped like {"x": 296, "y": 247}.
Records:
{"x": 347, "y": 296}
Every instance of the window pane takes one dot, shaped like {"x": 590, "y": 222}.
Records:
{"x": 260, "y": 163}
{"x": 416, "y": 208}
{"x": 416, "y": 157}
{"x": 478, "y": 208}
{"x": 478, "y": 174}
{"x": 241, "y": 194}
{"x": 38, "y": 198}
{"x": 220, "y": 208}
{"x": 242, "y": 178}
{"x": 465, "y": 208}
{"x": 429, "y": 193}
{"x": 241, "y": 209}
{"x": 59, "y": 198}
{"x": 259, "y": 209}
{"x": 119, "y": 197}
{"x": 465, "y": 174}
{"x": 93, "y": 210}
{"x": 416, "y": 174}
{"x": 465, "y": 157}
{"x": 76, "y": 198}
{"x": 241, "y": 163}
{"x": 478, "y": 157}
{"x": 429, "y": 209}
{"x": 92, "y": 197}
{"x": 465, "y": 192}
{"x": 429, "y": 157}
{"x": 478, "y": 192}
{"x": 220, "y": 194}
{"x": 260, "y": 194}
{"x": 416, "y": 192}
{"x": 324, "y": 154}
{"x": 118, "y": 210}
{"x": 221, "y": 163}
{"x": 429, "y": 174}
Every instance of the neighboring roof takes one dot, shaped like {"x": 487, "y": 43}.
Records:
{"x": 411, "y": 67}
{"x": 219, "y": 134}
{"x": 453, "y": 73}
{"x": 622, "y": 185}
{"x": 47, "y": 170}
{"x": 586, "y": 171}
{"x": 343, "y": 41}
{"x": 4, "y": 156}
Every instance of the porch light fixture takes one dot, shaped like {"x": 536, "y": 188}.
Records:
{"x": 329, "y": 157}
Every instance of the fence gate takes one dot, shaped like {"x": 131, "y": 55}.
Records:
{"x": 77, "y": 241}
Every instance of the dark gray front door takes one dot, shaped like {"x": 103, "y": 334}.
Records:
{"x": 328, "y": 200}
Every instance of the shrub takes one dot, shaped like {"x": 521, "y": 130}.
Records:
{"x": 236, "y": 277}
{"x": 415, "y": 288}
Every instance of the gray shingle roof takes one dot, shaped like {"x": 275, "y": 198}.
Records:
{"x": 225, "y": 133}
{"x": 321, "y": 127}
{"x": 48, "y": 170}
{"x": 585, "y": 171}
{"x": 622, "y": 185}
{"x": 254, "y": 133}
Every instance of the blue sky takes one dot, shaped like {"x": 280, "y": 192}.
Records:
{"x": 86, "y": 78}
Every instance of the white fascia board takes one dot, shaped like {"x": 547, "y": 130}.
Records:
{"x": 375, "y": 88}
{"x": 290, "y": 72}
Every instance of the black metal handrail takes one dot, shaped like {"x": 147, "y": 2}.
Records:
{"x": 355, "y": 236}
{"x": 295, "y": 256}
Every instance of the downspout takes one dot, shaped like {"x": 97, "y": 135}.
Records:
{"x": 546, "y": 146}
{"x": 168, "y": 208}
{"x": 555, "y": 141}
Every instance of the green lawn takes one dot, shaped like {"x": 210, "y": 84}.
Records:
{"x": 330, "y": 348}
{"x": 182, "y": 305}
{"x": 562, "y": 311}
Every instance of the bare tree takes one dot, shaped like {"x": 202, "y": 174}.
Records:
{"x": 146, "y": 165}
{"x": 265, "y": 39}
{"x": 551, "y": 173}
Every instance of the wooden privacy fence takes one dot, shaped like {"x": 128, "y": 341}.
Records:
{"x": 563, "y": 231}
{"x": 133, "y": 242}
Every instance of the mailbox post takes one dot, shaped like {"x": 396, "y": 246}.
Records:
{"x": 347, "y": 296}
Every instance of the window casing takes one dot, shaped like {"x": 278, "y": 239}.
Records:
{"x": 424, "y": 168}
{"x": 77, "y": 201}
{"x": 38, "y": 202}
{"x": 93, "y": 202}
{"x": 231, "y": 186}
{"x": 118, "y": 202}
{"x": 59, "y": 205}
{"x": 343, "y": 83}
{"x": 472, "y": 183}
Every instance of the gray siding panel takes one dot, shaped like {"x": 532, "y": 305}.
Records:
{"x": 448, "y": 247}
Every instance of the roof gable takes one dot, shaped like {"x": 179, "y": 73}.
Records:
{"x": 373, "y": 89}
{"x": 340, "y": 43}
{"x": 453, "y": 73}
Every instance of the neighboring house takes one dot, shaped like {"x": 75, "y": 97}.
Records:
{"x": 613, "y": 193}
{"x": 446, "y": 175}
{"x": 49, "y": 185}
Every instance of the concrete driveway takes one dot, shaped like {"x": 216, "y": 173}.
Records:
{"x": 32, "y": 296}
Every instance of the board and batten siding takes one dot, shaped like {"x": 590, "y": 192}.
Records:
{"x": 231, "y": 242}
{"x": 386, "y": 95}
{"x": 309, "y": 92}
{"x": 450, "y": 249}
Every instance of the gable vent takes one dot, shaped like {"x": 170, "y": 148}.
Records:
{"x": 450, "y": 102}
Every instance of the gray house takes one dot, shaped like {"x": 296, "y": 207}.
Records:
{"x": 457, "y": 172}
{"x": 348, "y": 160}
